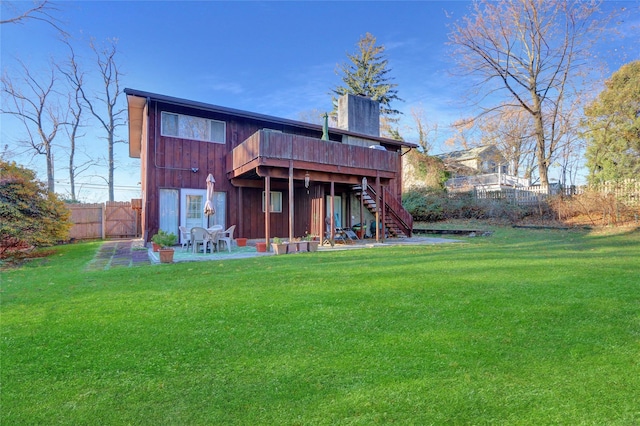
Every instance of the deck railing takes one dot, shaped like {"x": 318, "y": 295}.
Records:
{"x": 394, "y": 210}
{"x": 283, "y": 146}
{"x": 487, "y": 180}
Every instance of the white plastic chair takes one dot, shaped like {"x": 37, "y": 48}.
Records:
{"x": 226, "y": 237}
{"x": 185, "y": 237}
{"x": 200, "y": 236}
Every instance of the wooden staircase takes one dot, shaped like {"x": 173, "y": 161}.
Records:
{"x": 397, "y": 221}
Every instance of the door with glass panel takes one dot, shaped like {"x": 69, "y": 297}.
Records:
{"x": 192, "y": 208}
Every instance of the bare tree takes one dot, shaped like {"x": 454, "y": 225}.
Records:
{"x": 427, "y": 131}
{"x": 104, "y": 105}
{"x": 313, "y": 116}
{"x": 21, "y": 12}
{"x": 75, "y": 80}
{"x": 529, "y": 53}
{"x": 510, "y": 131}
{"x": 464, "y": 134}
{"x": 33, "y": 101}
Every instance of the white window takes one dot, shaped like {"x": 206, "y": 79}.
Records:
{"x": 275, "y": 205}
{"x": 190, "y": 127}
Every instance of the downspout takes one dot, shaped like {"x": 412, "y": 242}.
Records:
{"x": 406, "y": 152}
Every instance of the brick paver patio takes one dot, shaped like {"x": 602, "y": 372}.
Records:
{"x": 119, "y": 253}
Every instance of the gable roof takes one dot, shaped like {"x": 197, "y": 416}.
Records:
{"x": 467, "y": 154}
{"x": 138, "y": 101}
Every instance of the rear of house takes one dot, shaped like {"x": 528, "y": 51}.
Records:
{"x": 311, "y": 181}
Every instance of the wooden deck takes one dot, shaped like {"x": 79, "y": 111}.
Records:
{"x": 280, "y": 150}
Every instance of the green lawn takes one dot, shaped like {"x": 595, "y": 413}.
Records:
{"x": 523, "y": 327}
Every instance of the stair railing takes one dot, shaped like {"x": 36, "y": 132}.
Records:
{"x": 393, "y": 208}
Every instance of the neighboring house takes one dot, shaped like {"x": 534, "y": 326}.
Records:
{"x": 308, "y": 179}
{"x": 484, "y": 167}
{"x": 474, "y": 161}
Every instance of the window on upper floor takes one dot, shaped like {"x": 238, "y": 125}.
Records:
{"x": 190, "y": 127}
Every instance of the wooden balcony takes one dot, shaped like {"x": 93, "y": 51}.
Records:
{"x": 267, "y": 149}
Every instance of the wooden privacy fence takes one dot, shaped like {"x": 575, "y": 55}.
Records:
{"x": 113, "y": 219}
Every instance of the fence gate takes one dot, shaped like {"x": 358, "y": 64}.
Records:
{"x": 119, "y": 220}
{"x": 113, "y": 219}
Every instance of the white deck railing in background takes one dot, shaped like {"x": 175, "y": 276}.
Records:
{"x": 627, "y": 192}
{"x": 488, "y": 181}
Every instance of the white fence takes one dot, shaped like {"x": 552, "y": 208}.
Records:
{"x": 489, "y": 182}
{"x": 627, "y": 192}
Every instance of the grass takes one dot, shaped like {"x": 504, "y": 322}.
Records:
{"x": 523, "y": 327}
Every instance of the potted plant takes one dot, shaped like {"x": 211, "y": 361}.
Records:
{"x": 303, "y": 244}
{"x": 166, "y": 241}
{"x": 312, "y": 242}
{"x": 279, "y": 246}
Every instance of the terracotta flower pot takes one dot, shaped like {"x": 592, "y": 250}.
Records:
{"x": 155, "y": 247}
{"x": 166, "y": 255}
{"x": 261, "y": 247}
{"x": 242, "y": 242}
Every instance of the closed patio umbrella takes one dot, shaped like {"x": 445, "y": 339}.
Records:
{"x": 209, "y": 210}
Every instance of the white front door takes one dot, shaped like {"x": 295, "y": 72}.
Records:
{"x": 192, "y": 208}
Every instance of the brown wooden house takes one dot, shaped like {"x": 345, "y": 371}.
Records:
{"x": 313, "y": 174}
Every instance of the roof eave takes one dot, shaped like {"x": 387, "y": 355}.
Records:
{"x": 256, "y": 116}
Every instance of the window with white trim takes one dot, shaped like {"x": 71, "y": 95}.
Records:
{"x": 190, "y": 127}
{"x": 275, "y": 205}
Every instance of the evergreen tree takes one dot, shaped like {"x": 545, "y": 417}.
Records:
{"x": 612, "y": 128}
{"x": 366, "y": 74}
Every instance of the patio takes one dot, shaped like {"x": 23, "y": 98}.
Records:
{"x": 249, "y": 250}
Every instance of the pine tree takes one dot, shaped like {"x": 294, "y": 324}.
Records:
{"x": 366, "y": 74}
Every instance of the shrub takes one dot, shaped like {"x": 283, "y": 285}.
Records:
{"x": 425, "y": 204}
{"x": 593, "y": 207}
{"x": 30, "y": 216}
{"x": 429, "y": 205}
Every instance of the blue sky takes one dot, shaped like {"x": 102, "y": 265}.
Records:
{"x": 272, "y": 57}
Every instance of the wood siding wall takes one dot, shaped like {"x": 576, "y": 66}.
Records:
{"x": 174, "y": 163}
